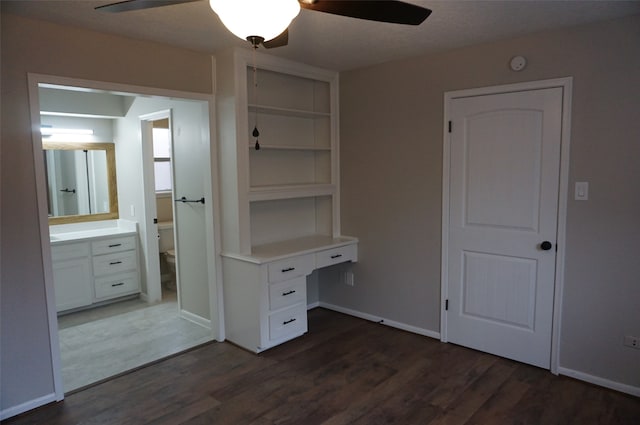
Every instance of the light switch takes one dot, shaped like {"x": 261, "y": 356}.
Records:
{"x": 582, "y": 191}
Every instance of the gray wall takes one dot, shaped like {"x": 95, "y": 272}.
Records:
{"x": 39, "y": 47}
{"x": 391, "y": 175}
{"x": 391, "y": 120}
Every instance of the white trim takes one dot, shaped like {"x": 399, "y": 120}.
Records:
{"x": 381, "y": 320}
{"x": 313, "y": 305}
{"x": 198, "y": 320}
{"x": 45, "y": 244}
{"x": 151, "y": 260}
{"x": 566, "y": 84}
{"x": 596, "y": 380}
{"x": 29, "y": 405}
{"x": 215, "y": 284}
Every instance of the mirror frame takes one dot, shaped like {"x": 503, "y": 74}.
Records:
{"x": 113, "y": 185}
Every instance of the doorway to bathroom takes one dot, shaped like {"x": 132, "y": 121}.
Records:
{"x": 102, "y": 340}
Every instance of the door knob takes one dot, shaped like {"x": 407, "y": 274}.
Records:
{"x": 546, "y": 246}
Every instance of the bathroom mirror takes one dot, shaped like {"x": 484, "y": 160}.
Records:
{"x": 81, "y": 181}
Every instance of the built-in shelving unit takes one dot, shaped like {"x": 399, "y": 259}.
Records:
{"x": 280, "y": 202}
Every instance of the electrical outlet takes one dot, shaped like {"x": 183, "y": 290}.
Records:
{"x": 632, "y": 341}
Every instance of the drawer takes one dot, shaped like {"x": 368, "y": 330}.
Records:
{"x": 114, "y": 263}
{"x": 106, "y": 246}
{"x": 333, "y": 256}
{"x": 115, "y": 286}
{"x": 290, "y": 322}
{"x": 287, "y": 292}
{"x": 69, "y": 251}
{"x": 290, "y": 268}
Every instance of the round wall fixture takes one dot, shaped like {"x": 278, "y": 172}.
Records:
{"x": 518, "y": 63}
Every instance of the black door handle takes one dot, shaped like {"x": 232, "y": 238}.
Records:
{"x": 546, "y": 246}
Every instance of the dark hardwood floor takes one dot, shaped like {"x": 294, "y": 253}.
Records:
{"x": 344, "y": 371}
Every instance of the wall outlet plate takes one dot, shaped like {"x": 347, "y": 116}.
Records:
{"x": 632, "y": 341}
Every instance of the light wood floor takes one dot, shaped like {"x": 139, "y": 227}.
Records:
{"x": 98, "y": 343}
{"x": 344, "y": 371}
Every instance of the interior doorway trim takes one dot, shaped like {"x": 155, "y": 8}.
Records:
{"x": 213, "y": 226}
{"x": 566, "y": 84}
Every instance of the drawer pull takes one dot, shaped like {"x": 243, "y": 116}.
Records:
{"x": 113, "y": 263}
{"x": 286, "y": 322}
{"x": 284, "y": 294}
{"x": 336, "y": 256}
{"x": 290, "y": 269}
{"x": 115, "y": 245}
{"x": 117, "y": 284}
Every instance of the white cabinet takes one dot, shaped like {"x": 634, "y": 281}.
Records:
{"x": 72, "y": 276}
{"x": 94, "y": 271}
{"x": 266, "y": 294}
{"x": 115, "y": 267}
{"x": 280, "y": 197}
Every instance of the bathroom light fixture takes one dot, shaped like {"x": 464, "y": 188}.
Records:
{"x": 256, "y": 20}
{"x": 49, "y": 131}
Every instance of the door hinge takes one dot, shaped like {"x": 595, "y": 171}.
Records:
{"x": 155, "y": 221}
{"x": 450, "y": 126}
{"x": 446, "y": 305}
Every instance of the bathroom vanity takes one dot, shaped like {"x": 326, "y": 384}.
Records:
{"x": 94, "y": 263}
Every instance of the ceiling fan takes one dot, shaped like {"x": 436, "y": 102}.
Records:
{"x": 266, "y": 22}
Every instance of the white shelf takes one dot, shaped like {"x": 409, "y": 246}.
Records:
{"x": 291, "y": 147}
{"x": 274, "y": 110}
{"x": 268, "y": 193}
{"x": 299, "y": 246}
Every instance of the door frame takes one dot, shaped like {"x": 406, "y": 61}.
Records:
{"x": 152, "y": 262}
{"x": 213, "y": 225}
{"x": 566, "y": 83}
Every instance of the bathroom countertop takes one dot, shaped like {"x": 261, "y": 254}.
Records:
{"x": 59, "y": 235}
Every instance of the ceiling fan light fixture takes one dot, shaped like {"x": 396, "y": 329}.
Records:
{"x": 256, "y": 18}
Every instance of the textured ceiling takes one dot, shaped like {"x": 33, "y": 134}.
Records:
{"x": 336, "y": 42}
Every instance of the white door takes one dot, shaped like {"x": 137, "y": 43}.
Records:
{"x": 503, "y": 208}
{"x": 193, "y": 218}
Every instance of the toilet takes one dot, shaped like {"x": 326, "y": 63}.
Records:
{"x": 170, "y": 258}
{"x": 168, "y": 253}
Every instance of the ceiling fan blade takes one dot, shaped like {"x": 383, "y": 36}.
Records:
{"x": 396, "y": 12}
{"x": 131, "y": 5}
{"x": 279, "y": 41}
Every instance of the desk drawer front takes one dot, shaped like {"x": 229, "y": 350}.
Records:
{"x": 333, "y": 256}
{"x": 290, "y": 268}
{"x": 107, "y": 246}
{"x": 287, "y": 322}
{"x": 287, "y": 292}
{"x": 114, "y": 263}
{"x": 114, "y": 286}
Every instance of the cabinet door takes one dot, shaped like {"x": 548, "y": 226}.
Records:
{"x": 73, "y": 283}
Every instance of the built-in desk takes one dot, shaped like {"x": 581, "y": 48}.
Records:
{"x": 265, "y": 293}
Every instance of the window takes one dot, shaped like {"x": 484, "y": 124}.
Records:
{"x": 162, "y": 157}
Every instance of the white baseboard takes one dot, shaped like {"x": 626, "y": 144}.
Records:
{"x": 618, "y": 386}
{"x": 29, "y": 405}
{"x": 206, "y": 323}
{"x": 313, "y": 305}
{"x": 144, "y": 297}
{"x": 381, "y": 320}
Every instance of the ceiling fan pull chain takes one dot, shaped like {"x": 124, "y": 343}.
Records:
{"x": 255, "y": 132}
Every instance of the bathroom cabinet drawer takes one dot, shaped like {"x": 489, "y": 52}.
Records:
{"x": 106, "y": 246}
{"x": 113, "y": 286}
{"x": 69, "y": 251}
{"x": 114, "y": 263}
{"x": 287, "y": 292}
{"x": 333, "y": 256}
{"x": 290, "y": 268}
{"x": 290, "y": 322}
